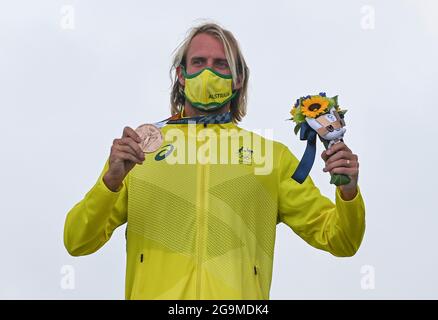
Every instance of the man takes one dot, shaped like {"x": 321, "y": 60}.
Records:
{"x": 205, "y": 229}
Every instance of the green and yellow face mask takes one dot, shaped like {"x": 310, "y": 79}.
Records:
{"x": 208, "y": 89}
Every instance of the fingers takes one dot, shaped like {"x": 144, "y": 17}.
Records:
{"x": 341, "y": 155}
{"x": 324, "y": 155}
{"x": 347, "y": 163}
{"x": 127, "y": 148}
{"x": 337, "y": 147}
{"x": 125, "y": 152}
{"x": 347, "y": 171}
{"x": 129, "y": 132}
{"x": 334, "y": 149}
{"x": 128, "y": 141}
{"x": 340, "y": 159}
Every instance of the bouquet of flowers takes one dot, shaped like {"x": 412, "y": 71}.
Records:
{"x": 321, "y": 116}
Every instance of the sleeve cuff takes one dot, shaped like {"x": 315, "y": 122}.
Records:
{"x": 102, "y": 187}
{"x": 339, "y": 196}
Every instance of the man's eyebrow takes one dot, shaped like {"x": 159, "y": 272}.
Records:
{"x": 203, "y": 58}
{"x": 198, "y": 58}
{"x": 221, "y": 60}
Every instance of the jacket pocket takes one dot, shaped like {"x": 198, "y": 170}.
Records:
{"x": 138, "y": 285}
{"x": 258, "y": 282}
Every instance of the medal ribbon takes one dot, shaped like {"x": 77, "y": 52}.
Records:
{"x": 210, "y": 119}
{"x": 306, "y": 163}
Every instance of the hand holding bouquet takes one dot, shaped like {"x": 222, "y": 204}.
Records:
{"x": 321, "y": 116}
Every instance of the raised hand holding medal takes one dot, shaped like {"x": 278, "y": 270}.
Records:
{"x": 130, "y": 150}
{"x": 125, "y": 154}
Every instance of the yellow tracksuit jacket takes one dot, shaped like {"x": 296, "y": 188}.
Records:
{"x": 207, "y": 230}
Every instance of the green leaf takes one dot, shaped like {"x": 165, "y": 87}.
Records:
{"x": 299, "y": 117}
{"x": 333, "y": 101}
{"x": 339, "y": 179}
{"x": 342, "y": 113}
{"x": 297, "y": 128}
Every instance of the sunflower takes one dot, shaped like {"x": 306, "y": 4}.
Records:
{"x": 314, "y": 106}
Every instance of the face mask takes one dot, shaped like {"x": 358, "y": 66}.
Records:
{"x": 208, "y": 89}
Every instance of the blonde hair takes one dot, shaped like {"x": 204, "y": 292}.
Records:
{"x": 238, "y": 67}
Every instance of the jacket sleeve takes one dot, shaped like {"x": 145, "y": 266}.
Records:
{"x": 91, "y": 222}
{"x": 336, "y": 228}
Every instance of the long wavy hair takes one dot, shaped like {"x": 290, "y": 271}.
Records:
{"x": 238, "y": 67}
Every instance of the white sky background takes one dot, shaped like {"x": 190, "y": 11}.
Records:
{"x": 66, "y": 94}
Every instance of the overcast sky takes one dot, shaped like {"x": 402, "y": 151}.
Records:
{"x": 74, "y": 73}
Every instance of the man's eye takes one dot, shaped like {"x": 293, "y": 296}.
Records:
{"x": 222, "y": 64}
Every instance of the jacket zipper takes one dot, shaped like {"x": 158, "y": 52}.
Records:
{"x": 201, "y": 215}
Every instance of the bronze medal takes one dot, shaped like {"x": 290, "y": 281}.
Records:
{"x": 151, "y": 137}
